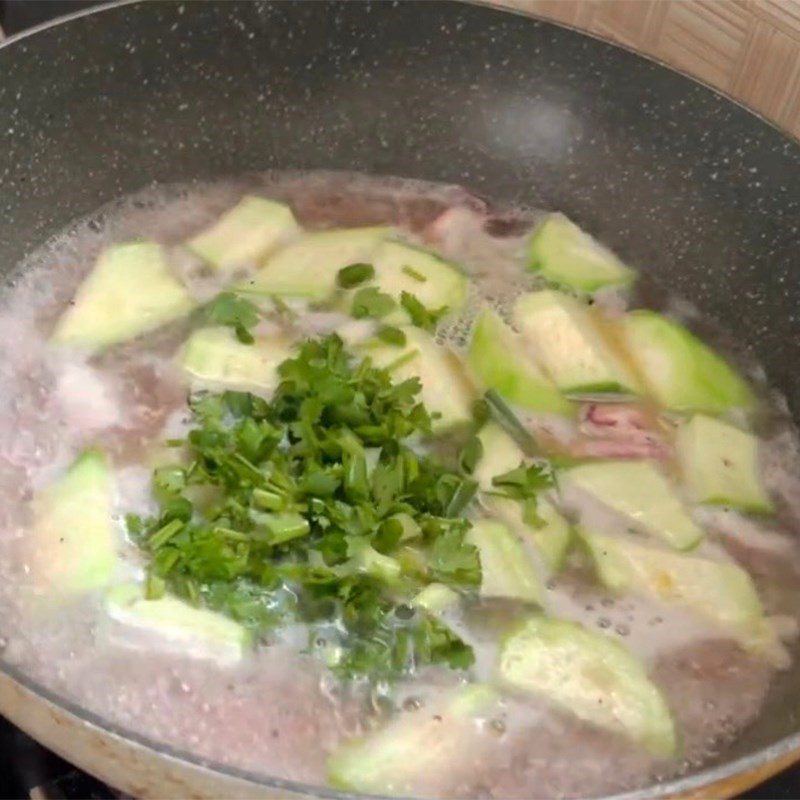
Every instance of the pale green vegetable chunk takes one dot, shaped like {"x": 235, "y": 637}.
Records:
{"x": 308, "y": 267}
{"x": 245, "y": 234}
{"x": 196, "y": 632}
{"x": 589, "y": 675}
{"x": 720, "y": 466}
{"x": 436, "y": 598}
{"x": 129, "y": 292}
{"x": 434, "y": 282}
{"x": 552, "y": 538}
{"x": 446, "y": 389}
{"x": 506, "y": 569}
{"x": 681, "y": 372}
{"x": 570, "y": 346}
{"x": 570, "y": 258}
{"x": 74, "y": 544}
{"x": 638, "y": 491}
{"x": 499, "y": 361}
{"x": 501, "y": 454}
{"x": 719, "y": 591}
{"x": 414, "y": 745}
{"x": 216, "y": 358}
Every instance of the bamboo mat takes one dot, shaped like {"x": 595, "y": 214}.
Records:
{"x": 749, "y": 49}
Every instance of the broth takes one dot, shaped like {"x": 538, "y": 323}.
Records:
{"x": 280, "y": 711}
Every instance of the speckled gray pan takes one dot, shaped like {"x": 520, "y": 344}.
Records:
{"x": 681, "y": 181}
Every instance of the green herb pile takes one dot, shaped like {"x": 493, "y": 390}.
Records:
{"x": 317, "y": 506}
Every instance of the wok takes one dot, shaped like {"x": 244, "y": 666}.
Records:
{"x": 681, "y": 181}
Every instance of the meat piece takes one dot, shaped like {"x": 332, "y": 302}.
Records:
{"x": 85, "y": 398}
{"x": 450, "y": 226}
{"x": 508, "y": 225}
{"x": 618, "y": 430}
{"x": 617, "y": 448}
{"x": 156, "y": 391}
{"x": 611, "y": 420}
{"x": 339, "y": 202}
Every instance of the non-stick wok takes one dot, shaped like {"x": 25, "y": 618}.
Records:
{"x": 681, "y": 181}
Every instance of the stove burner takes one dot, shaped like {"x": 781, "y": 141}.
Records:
{"x": 73, "y": 785}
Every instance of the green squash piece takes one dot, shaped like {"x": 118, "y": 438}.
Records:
{"x": 680, "y": 371}
{"x": 501, "y": 454}
{"x": 719, "y": 591}
{"x": 129, "y": 292}
{"x": 434, "y": 282}
{"x": 552, "y": 539}
{"x": 413, "y": 745}
{"x": 569, "y": 258}
{"x": 506, "y": 569}
{"x": 499, "y": 361}
{"x": 719, "y": 463}
{"x": 446, "y": 389}
{"x": 74, "y": 543}
{"x": 638, "y": 491}
{"x": 589, "y": 675}
{"x": 436, "y": 598}
{"x": 192, "y": 631}
{"x": 308, "y": 267}
{"x": 570, "y": 347}
{"x": 215, "y": 358}
{"x": 245, "y": 234}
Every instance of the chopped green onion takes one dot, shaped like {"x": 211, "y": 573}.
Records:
{"x": 412, "y": 273}
{"x": 355, "y": 274}
{"x": 370, "y": 302}
{"x": 391, "y": 335}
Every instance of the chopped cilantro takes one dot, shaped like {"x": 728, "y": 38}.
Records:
{"x": 523, "y": 483}
{"x": 233, "y": 311}
{"x": 422, "y": 317}
{"x": 391, "y": 335}
{"x": 370, "y": 302}
{"x": 312, "y": 507}
{"x": 470, "y": 455}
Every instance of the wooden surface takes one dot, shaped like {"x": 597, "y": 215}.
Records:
{"x": 750, "y": 49}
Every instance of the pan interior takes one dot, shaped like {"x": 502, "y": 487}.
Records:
{"x": 683, "y": 183}
{"x": 716, "y": 690}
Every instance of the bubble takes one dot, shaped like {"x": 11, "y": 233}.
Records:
{"x": 412, "y": 704}
{"x": 404, "y": 611}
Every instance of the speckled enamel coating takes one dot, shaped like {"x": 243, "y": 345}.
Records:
{"x": 682, "y": 182}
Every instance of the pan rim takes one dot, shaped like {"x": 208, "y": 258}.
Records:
{"x": 681, "y": 786}
{"x": 677, "y": 787}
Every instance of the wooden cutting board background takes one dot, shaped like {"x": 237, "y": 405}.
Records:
{"x": 749, "y": 49}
